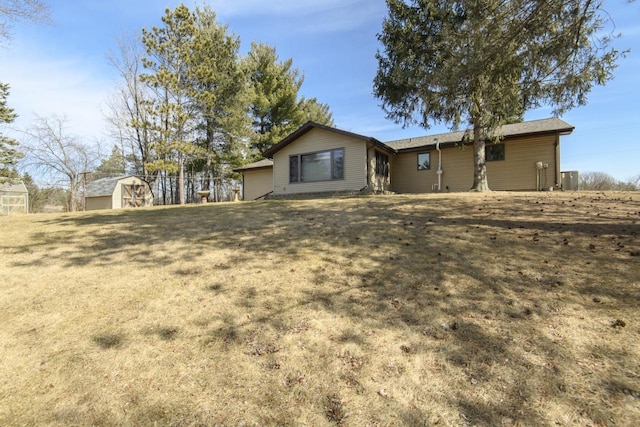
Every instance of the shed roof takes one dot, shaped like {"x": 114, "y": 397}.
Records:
{"x": 261, "y": 164}
{"x": 8, "y": 187}
{"x": 551, "y": 125}
{"x": 104, "y": 187}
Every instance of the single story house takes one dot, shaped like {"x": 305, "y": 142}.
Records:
{"x": 14, "y": 198}
{"x": 317, "y": 158}
{"x": 117, "y": 193}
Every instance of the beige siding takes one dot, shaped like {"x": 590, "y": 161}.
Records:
{"x": 516, "y": 172}
{"x": 257, "y": 183}
{"x": 94, "y": 203}
{"x": 355, "y": 165}
{"x": 406, "y": 178}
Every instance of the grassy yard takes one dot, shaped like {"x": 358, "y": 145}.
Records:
{"x": 505, "y": 309}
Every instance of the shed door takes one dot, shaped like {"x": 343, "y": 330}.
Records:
{"x": 133, "y": 196}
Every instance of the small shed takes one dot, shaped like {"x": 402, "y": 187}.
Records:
{"x": 14, "y": 198}
{"x": 117, "y": 193}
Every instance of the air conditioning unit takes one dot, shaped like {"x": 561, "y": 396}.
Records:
{"x": 570, "y": 180}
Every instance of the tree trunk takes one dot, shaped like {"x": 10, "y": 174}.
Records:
{"x": 480, "y": 182}
{"x": 206, "y": 185}
{"x": 181, "y": 178}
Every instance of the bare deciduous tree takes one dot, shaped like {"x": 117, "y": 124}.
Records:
{"x": 597, "y": 181}
{"x": 12, "y": 11}
{"x": 601, "y": 181}
{"x": 58, "y": 156}
{"x": 128, "y": 113}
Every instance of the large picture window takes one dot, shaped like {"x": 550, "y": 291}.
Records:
{"x": 424, "y": 161}
{"x": 320, "y": 166}
{"x": 494, "y": 152}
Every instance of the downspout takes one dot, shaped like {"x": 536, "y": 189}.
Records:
{"x": 439, "y": 171}
{"x": 557, "y": 168}
{"x": 243, "y": 187}
{"x": 273, "y": 174}
{"x": 368, "y": 183}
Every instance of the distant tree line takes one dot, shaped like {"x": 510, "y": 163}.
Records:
{"x": 600, "y": 181}
{"x": 190, "y": 109}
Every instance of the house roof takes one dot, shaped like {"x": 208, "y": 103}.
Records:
{"x": 534, "y": 127}
{"x": 262, "y": 164}
{"x": 551, "y": 125}
{"x": 103, "y": 187}
{"x": 13, "y": 188}
{"x": 312, "y": 125}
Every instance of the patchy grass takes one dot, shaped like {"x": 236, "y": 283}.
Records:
{"x": 108, "y": 340}
{"x": 463, "y": 309}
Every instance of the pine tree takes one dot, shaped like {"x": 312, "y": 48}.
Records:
{"x": 199, "y": 105}
{"x": 113, "y": 165}
{"x": 314, "y": 111}
{"x": 216, "y": 84}
{"x": 9, "y": 155}
{"x": 484, "y": 62}
{"x": 275, "y": 108}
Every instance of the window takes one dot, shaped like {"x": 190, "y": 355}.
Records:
{"x": 424, "y": 161}
{"x": 293, "y": 168}
{"x": 494, "y": 152}
{"x": 321, "y": 166}
{"x": 382, "y": 164}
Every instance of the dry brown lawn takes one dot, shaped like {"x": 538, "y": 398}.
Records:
{"x": 504, "y": 309}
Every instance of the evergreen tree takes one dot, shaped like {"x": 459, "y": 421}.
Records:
{"x": 275, "y": 108}
{"x": 200, "y": 110}
{"x": 9, "y": 155}
{"x": 485, "y": 62}
{"x": 113, "y": 165}
{"x": 167, "y": 49}
{"x": 314, "y": 111}
{"x": 216, "y": 84}
{"x": 199, "y": 106}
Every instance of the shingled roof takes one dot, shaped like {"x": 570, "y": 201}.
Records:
{"x": 534, "y": 127}
{"x": 542, "y": 126}
{"x": 103, "y": 187}
{"x": 312, "y": 125}
{"x": 261, "y": 164}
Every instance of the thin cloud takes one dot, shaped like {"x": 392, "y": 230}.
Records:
{"x": 42, "y": 86}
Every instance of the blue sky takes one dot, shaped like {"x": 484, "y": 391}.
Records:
{"x": 62, "y": 69}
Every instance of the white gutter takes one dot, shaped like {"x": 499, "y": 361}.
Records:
{"x": 439, "y": 172}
